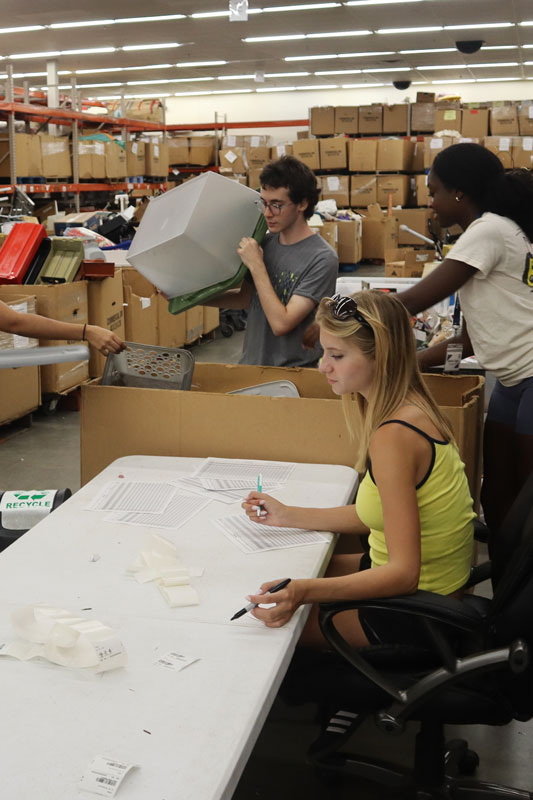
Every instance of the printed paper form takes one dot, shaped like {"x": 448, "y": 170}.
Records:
{"x": 221, "y": 474}
{"x": 133, "y": 496}
{"x": 180, "y": 509}
{"x": 252, "y": 537}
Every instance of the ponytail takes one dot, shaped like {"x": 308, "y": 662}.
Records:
{"x": 512, "y": 196}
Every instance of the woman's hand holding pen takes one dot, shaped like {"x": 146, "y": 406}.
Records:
{"x": 271, "y": 512}
{"x": 287, "y": 601}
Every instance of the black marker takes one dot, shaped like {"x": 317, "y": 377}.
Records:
{"x": 249, "y": 607}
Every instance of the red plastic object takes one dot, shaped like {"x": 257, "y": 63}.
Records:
{"x": 18, "y": 251}
{"x": 91, "y": 268}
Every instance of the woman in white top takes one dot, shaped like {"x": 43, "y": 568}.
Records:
{"x": 491, "y": 265}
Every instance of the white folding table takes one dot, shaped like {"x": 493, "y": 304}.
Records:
{"x": 190, "y": 732}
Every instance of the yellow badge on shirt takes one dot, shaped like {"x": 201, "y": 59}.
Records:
{"x": 527, "y": 277}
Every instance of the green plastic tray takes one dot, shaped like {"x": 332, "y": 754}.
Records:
{"x": 63, "y": 261}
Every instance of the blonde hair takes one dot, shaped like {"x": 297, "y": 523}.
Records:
{"x": 390, "y": 343}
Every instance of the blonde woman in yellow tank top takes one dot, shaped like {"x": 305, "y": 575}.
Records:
{"x": 413, "y": 501}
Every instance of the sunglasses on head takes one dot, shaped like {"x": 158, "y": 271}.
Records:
{"x": 343, "y": 308}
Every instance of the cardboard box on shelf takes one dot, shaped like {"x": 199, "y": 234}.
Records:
{"x": 395, "y": 187}
{"x": 417, "y": 164}
{"x": 135, "y": 158}
{"x": 233, "y": 177}
{"x": 257, "y": 157}
{"x": 396, "y": 118}
{"x": 504, "y": 120}
{"x": 422, "y": 117}
{"x": 66, "y": 302}
{"x": 253, "y": 178}
{"x": 115, "y": 160}
{"x": 28, "y": 150}
{"x": 237, "y": 140}
{"x": 362, "y": 155}
{"x": 363, "y": 190}
{"x": 346, "y": 119}
{"x": 233, "y": 159}
{"x": 419, "y": 190}
{"x": 55, "y": 156}
{"x": 501, "y": 147}
{"x": 22, "y": 303}
{"x": 475, "y": 122}
{"x": 194, "y": 324}
{"x": 336, "y": 187}
{"x": 525, "y": 118}
{"x": 395, "y": 154}
{"x": 211, "y": 319}
{"x": 447, "y": 117}
{"x": 371, "y": 119}
{"x": 405, "y": 262}
{"x": 178, "y": 150}
{"x": 333, "y": 153}
{"x": 307, "y": 150}
{"x": 329, "y": 232}
{"x": 156, "y": 156}
{"x": 202, "y": 150}
{"x": 416, "y": 219}
{"x": 522, "y": 151}
{"x": 434, "y": 145}
{"x": 322, "y": 121}
{"x": 350, "y": 241}
{"x": 105, "y": 308}
{"x": 174, "y": 421}
{"x": 279, "y": 150}
{"x": 21, "y": 393}
{"x": 380, "y": 232}
{"x": 140, "y": 308}
{"x": 91, "y": 159}
{"x": 425, "y": 97}
{"x": 170, "y": 327}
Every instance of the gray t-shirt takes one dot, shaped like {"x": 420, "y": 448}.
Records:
{"x": 308, "y": 268}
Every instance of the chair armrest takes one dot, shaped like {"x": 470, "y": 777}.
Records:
{"x": 479, "y": 573}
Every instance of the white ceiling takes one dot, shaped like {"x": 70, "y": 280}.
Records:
{"x": 217, "y": 38}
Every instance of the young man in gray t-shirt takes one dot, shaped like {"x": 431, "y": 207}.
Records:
{"x": 289, "y": 274}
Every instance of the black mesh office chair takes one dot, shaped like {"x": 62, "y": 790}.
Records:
{"x": 476, "y": 667}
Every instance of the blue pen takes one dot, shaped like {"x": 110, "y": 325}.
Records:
{"x": 259, "y": 489}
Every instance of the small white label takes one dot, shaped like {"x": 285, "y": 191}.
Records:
{"x": 334, "y": 183}
{"x": 530, "y": 112}
{"x": 527, "y": 143}
{"x": 108, "y": 648}
{"x": 145, "y": 302}
{"x": 255, "y": 141}
{"x": 436, "y": 144}
{"x": 230, "y": 156}
{"x": 463, "y": 140}
{"x": 175, "y": 661}
{"x": 454, "y": 354}
{"x": 156, "y": 151}
{"x": 419, "y": 334}
{"x": 505, "y": 144}
{"x": 282, "y": 150}
{"x": 104, "y": 776}
{"x": 231, "y": 140}
{"x": 134, "y": 148}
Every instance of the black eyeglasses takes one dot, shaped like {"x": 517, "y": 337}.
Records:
{"x": 344, "y": 308}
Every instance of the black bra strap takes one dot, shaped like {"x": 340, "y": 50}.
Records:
{"x": 429, "y": 438}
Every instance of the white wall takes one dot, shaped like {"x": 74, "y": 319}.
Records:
{"x": 295, "y": 105}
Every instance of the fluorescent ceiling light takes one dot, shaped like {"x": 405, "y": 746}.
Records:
{"x": 362, "y": 85}
{"x": 54, "y": 53}
{"x": 305, "y": 7}
{"x": 501, "y": 47}
{"x": 150, "y": 46}
{"x": 526, "y": 23}
{"x": 232, "y": 91}
{"x": 200, "y": 63}
{"x": 122, "y": 69}
{"x": 190, "y": 94}
{"x": 191, "y": 80}
{"x": 106, "y": 97}
{"x": 309, "y": 58}
{"x": 387, "y": 69}
{"x": 429, "y": 50}
{"x": 378, "y": 2}
{"x": 155, "y": 18}
{"x": 159, "y": 94}
{"x": 479, "y": 25}
{"x": 267, "y": 75}
{"x": 337, "y": 34}
{"x": 22, "y": 29}
{"x": 207, "y": 14}
{"x": 85, "y": 24}
{"x": 285, "y": 38}
{"x": 147, "y": 83}
{"x": 37, "y": 74}
{"x": 339, "y": 72}
{"x": 469, "y": 66}
{"x": 425, "y": 29}
{"x": 456, "y": 80}
{"x": 496, "y": 80}
{"x": 278, "y": 89}
{"x": 92, "y": 85}
{"x": 362, "y": 55}
{"x": 313, "y": 88}
{"x": 343, "y": 55}
{"x": 527, "y": 46}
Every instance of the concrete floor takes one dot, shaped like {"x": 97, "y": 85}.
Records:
{"x": 45, "y": 454}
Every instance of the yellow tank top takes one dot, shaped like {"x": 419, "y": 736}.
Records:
{"x": 446, "y": 515}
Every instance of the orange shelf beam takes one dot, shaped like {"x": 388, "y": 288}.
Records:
{"x": 44, "y": 188}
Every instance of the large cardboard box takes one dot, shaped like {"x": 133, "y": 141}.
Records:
{"x": 475, "y": 122}
{"x": 329, "y": 232}
{"x": 257, "y": 157}
{"x": 28, "y": 152}
{"x": 371, "y": 119}
{"x": 433, "y": 145}
{"x": 417, "y": 163}
{"x": 346, "y": 119}
{"x": 394, "y": 188}
{"x": 253, "y": 178}
{"x": 362, "y": 155}
{"x": 309, "y": 429}
{"x": 211, "y": 319}
{"x": 501, "y": 147}
{"x": 395, "y": 155}
{"x": 106, "y": 308}
{"x": 170, "y": 327}
{"x": 55, "y": 156}
{"x": 66, "y": 302}
{"x": 504, "y": 120}
{"x": 522, "y": 152}
{"x": 447, "y": 117}
{"x": 279, "y": 150}
{"x": 363, "y": 190}
{"x": 91, "y": 159}
{"x": 156, "y": 156}
{"x": 23, "y": 303}
{"x": 178, "y": 150}
{"x": 336, "y": 187}
{"x": 380, "y": 233}
{"x": 396, "y": 118}
{"x": 525, "y": 118}
{"x": 20, "y": 392}
{"x": 202, "y": 150}
{"x": 422, "y": 117}
{"x": 233, "y": 159}
{"x": 194, "y": 324}
{"x": 419, "y": 190}
{"x": 135, "y": 158}
{"x": 116, "y": 165}
{"x": 406, "y": 262}
{"x": 333, "y": 153}
{"x": 323, "y": 121}
{"x": 350, "y": 241}
{"x": 140, "y": 308}
{"x": 416, "y": 219}
{"x": 307, "y": 150}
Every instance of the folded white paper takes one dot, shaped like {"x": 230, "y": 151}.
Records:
{"x": 158, "y": 561}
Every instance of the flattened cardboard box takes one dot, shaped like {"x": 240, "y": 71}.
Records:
{"x": 119, "y": 421}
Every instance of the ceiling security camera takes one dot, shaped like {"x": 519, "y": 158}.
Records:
{"x": 401, "y": 85}
{"x": 470, "y": 45}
